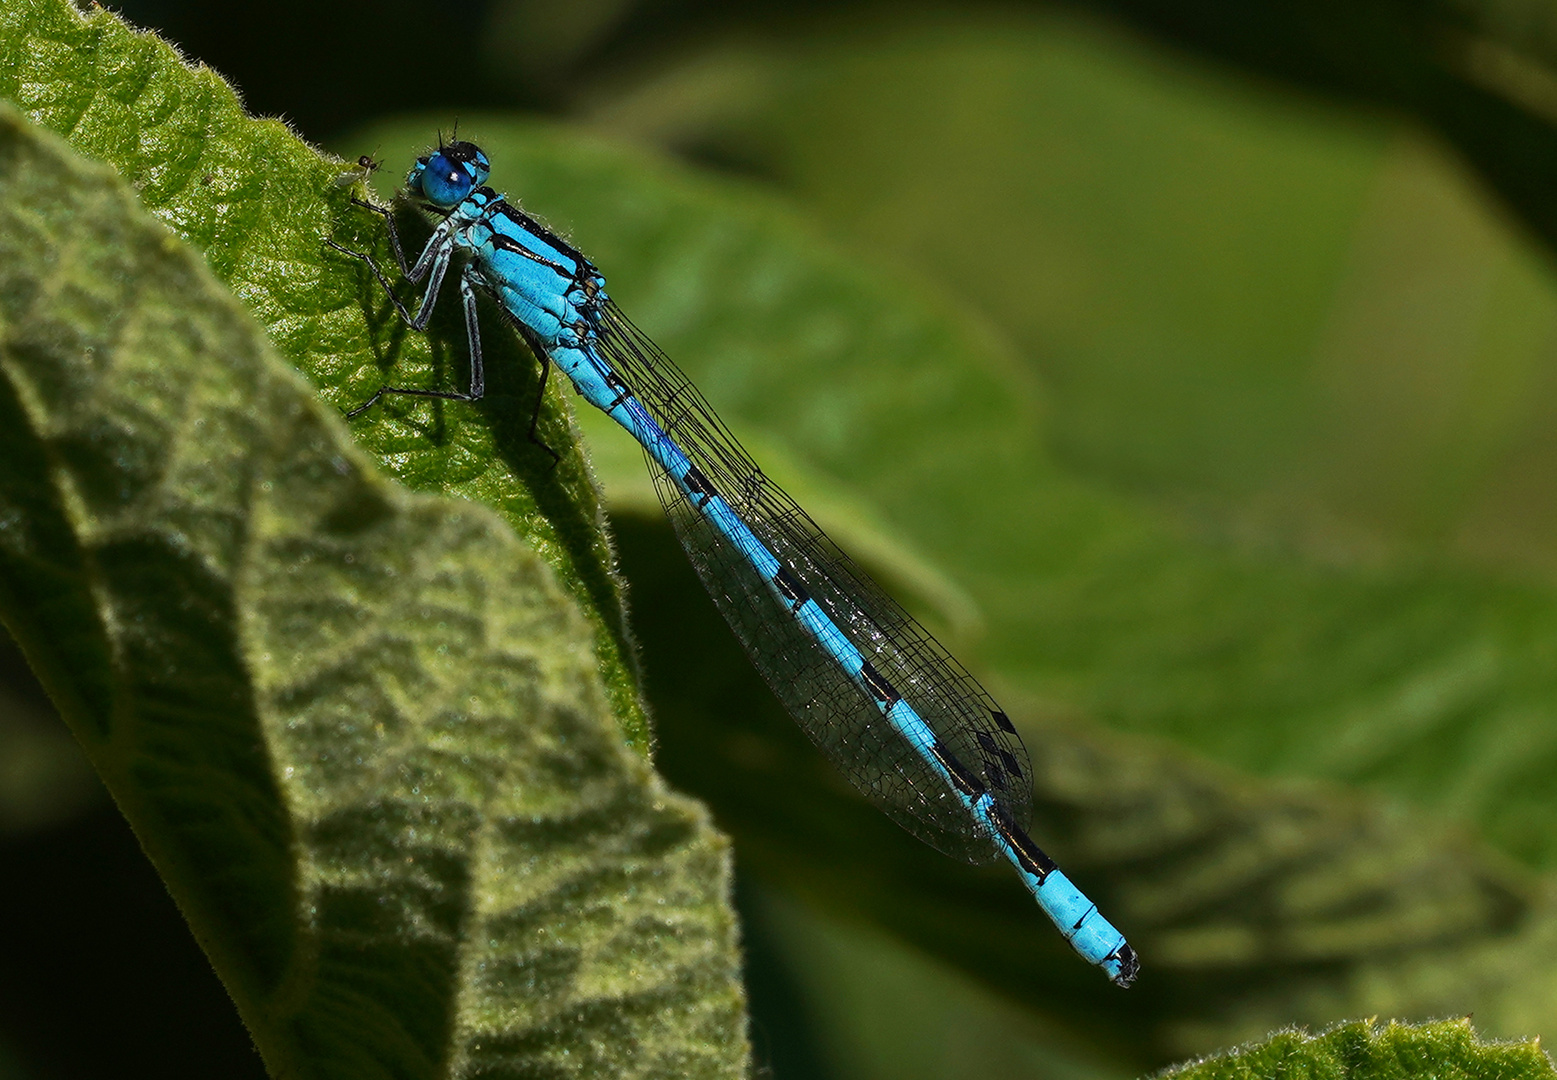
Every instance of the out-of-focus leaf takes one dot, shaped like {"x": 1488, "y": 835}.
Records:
{"x": 885, "y": 1011}
{"x": 1253, "y": 904}
{"x": 360, "y": 732}
{"x": 44, "y": 779}
{"x": 1184, "y": 262}
{"x": 1482, "y": 73}
{"x": 1446, "y": 1050}
{"x": 258, "y": 203}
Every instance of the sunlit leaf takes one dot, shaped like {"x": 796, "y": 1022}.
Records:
{"x": 360, "y": 732}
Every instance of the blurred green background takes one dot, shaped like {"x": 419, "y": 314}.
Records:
{"x": 1242, "y": 495}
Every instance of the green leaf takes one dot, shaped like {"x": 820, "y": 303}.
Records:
{"x": 1254, "y": 904}
{"x": 884, "y": 1010}
{"x": 258, "y": 203}
{"x": 361, "y": 732}
{"x": 1296, "y": 385}
{"x": 1446, "y": 1050}
{"x": 1479, "y": 71}
{"x": 1195, "y": 267}
{"x": 1482, "y": 74}
{"x": 44, "y": 780}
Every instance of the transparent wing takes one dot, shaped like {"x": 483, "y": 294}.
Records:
{"x": 838, "y": 716}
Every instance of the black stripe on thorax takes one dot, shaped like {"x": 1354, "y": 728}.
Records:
{"x": 501, "y": 205}
{"x": 504, "y": 242}
{"x": 582, "y": 270}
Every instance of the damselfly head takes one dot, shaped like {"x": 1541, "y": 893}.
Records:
{"x": 472, "y": 157}
{"x": 446, "y": 176}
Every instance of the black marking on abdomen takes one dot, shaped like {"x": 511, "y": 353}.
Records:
{"x": 962, "y": 779}
{"x": 1029, "y": 854}
{"x": 698, "y": 485}
{"x": 878, "y": 686}
{"x": 790, "y": 589}
{"x": 613, "y": 380}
